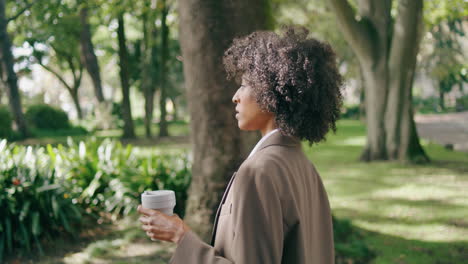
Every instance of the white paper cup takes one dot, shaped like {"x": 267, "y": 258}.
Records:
{"x": 162, "y": 200}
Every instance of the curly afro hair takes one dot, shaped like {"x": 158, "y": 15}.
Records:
{"x": 293, "y": 76}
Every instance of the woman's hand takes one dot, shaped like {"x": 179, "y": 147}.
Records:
{"x": 161, "y": 226}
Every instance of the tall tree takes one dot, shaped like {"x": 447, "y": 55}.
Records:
{"x": 8, "y": 73}
{"x": 163, "y": 131}
{"x": 149, "y": 62}
{"x": 52, "y": 33}
{"x": 68, "y": 60}
{"x": 386, "y": 48}
{"x": 129, "y": 131}
{"x": 88, "y": 55}
{"x": 207, "y": 27}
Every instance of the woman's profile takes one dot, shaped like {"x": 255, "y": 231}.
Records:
{"x": 275, "y": 208}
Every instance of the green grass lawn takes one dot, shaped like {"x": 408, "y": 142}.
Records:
{"x": 410, "y": 213}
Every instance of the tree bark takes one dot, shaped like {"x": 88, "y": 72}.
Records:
{"x": 76, "y": 102}
{"x": 129, "y": 131}
{"x": 207, "y": 27}
{"x": 441, "y": 97}
{"x": 88, "y": 56}
{"x": 163, "y": 130}
{"x": 402, "y": 141}
{"x": 386, "y": 51}
{"x": 9, "y": 75}
{"x": 148, "y": 80}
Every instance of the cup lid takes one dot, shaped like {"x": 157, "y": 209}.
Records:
{"x": 158, "y": 196}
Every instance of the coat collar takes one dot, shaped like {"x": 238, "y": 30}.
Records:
{"x": 279, "y": 139}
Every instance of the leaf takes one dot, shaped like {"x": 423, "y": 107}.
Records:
{"x": 25, "y": 236}
{"x": 36, "y": 227}
{"x": 55, "y": 207}
{"x": 39, "y": 247}
{"x": 24, "y": 210}
{"x": 76, "y": 212}
{"x": 93, "y": 186}
{"x": 51, "y": 153}
{"x": 3, "y": 144}
{"x": 82, "y": 150}
{"x": 8, "y": 232}
{"x": 65, "y": 223}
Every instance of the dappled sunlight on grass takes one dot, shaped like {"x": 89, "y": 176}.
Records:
{"x": 127, "y": 244}
{"x": 353, "y": 141}
{"x": 416, "y": 192}
{"x": 419, "y": 206}
{"x": 421, "y": 232}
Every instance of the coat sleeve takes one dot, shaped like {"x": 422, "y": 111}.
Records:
{"x": 257, "y": 225}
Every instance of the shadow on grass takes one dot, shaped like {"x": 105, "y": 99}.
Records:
{"x": 398, "y": 250}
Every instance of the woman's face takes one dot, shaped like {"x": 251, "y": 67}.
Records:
{"x": 249, "y": 115}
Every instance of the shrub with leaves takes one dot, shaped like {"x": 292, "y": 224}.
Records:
{"x": 33, "y": 204}
{"x": 49, "y": 189}
{"x": 42, "y": 116}
{"x": 108, "y": 177}
{"x": 349, "y": 246}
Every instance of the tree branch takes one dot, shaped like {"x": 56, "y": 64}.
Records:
{"x": 407, "y": 32}
{"x": 56, "y": 75}
{"x": 69, "y": 60}
{"x": 80, "y": 75}
{"x": 28, "y": 5}
{"x": 355, "y": 32}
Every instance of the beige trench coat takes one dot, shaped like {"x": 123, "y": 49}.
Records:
{"x": 274, "y": 210}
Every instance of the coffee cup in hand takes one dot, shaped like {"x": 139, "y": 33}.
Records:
{"x": 162, "y": 200}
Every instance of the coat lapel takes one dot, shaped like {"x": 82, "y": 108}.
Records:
{"x": 215, "y": 226}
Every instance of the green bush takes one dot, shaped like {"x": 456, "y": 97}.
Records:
{"x": 349, "y": 245}
{"x": 46, "y": 117}
{"x": 461, "y": 103}
{"x": 96, "y": 178}
{"x": 350, "y": 112}
{"x": 106, "y": 176}
{"x": 5, "y": 122}
{"x": 34, "y": 204}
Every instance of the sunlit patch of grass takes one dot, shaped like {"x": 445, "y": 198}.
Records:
{"x": 127, "y": 244}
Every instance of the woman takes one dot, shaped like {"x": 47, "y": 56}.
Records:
{"x": 275, "y": 208}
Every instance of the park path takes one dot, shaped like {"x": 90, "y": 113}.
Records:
{"x": 449, "y": 130}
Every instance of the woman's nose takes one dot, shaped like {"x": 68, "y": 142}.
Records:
{"x": 235, "y": 98}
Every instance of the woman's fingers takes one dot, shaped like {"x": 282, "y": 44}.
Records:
{"x": 145, "y": 220}
{"x": 160, "y": 226}
{"x": 146, "y": 211}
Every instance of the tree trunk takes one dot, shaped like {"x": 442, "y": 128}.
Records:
{"x": 76, "y": 102}
{"x": 386, "y": 50}
{"x": 375, "y": 100}
{"x": 402, "y": 141}
{"x": 9, "y": 75}
{"x": 441, "y": 98}
{"x": 88, "y": 56}
{"x": 175, "y": 115}
{"x": 218, "y": 145}
{"x": 163, "y": 131}
{"x": 129, "y": 131}
{"x": 147, "y": 68}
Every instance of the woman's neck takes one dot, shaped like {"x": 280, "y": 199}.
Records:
{"x": 269, "y": 126}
